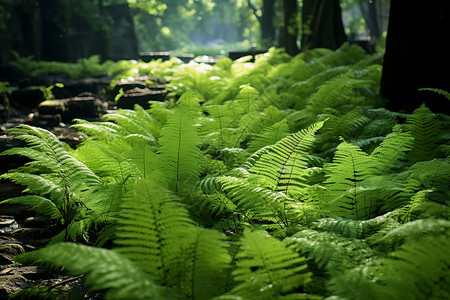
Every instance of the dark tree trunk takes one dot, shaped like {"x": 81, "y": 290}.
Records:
{"x": 265, "y": 20}
{"x": 322, "y": 24}
{"x": 289, "y": 31}
{"x": 267, "y": 28}
{"x": 417, "y": 56}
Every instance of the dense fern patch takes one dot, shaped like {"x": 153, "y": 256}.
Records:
{"x": 280, "y": 179}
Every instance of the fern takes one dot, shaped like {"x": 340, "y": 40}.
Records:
{"x": 391, "y": 152}
{"x": 179, "y": 152}
{"x": 269, "y": 136}
{"x": 418, "y": 270}
{"x": 62, "y": 184}
{"x": 157, "y": 234}
{"x": 147, "y": 218}
{"x": 345, "y": 195}
{"x": 330, "y": 251}
{"x": 438, "y": 91}
{"x": 283, "y": 166}
{"x": 266, "y": 269}
{"x": 425, "y": 128}
{"x": 103, "y": 269}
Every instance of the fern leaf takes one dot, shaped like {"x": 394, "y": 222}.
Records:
{"x": 180, "y": 155}
{"x": 414, "y": 230}
{"x": 221, "y": 118}
{"x": 283, "y": 166}
{"x": 330, "y": 251}
{"x": 438, "y": 91}
{"x": 39, "y": 204}
{"x": 267, "y": 269}
{"x": 344, "y": 194}
{"x": 418, "y": 270}
{"x": 104, "y": 270}
{"x": 423, "y": 125}
{"x": 206, "y": 261}
{"x": 151, "y": 229}
{"x": 269, "y": 136}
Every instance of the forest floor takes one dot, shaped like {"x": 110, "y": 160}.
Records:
{"x": 21, "y": 230}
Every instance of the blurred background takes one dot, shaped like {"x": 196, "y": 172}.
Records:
{"x": 66, "y": 30}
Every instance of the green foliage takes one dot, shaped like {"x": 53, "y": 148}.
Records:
{"x": 279, "y": 179}
{"x": 266, "y": 269}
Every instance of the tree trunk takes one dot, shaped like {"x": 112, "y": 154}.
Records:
{"x": 417, "y": 56}
{"x": 322, "y": 24}
{"x": 289, "y": 31}
{"x": 265, "y": 21}
{"x": 267, "y": 27}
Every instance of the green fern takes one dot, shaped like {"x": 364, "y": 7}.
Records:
{"x": 330, "y": 251}
{"x": 266, "y": 269}
{"x": 284, "y": 164}
{"x": 423, "y": 125}
{"x": 103, "y": 269}
{"x": 418, "y": 270}
{"x": 62, "y": 185}
{"x": 269, "y": 136}
{"x": 344, "y": 194}
{"x": 438, "y": 91}
{"x": 157, "y": 234}
{"x": 179, "y": 152}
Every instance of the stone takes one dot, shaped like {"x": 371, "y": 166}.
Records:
{"x": 141, "y": 97}
{"x": 52, "y": 107}
{"x": 149, "y": 56}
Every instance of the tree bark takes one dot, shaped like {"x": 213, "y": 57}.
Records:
{"x": 289, "y": 31}
{"x": 322, "y": 24}
{"x": 265, "y": 20}
{"x": 417, "y": 56}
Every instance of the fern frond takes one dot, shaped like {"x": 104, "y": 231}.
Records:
{"x": 220, "y": 118}
{"x": 391, "y": 151}
{"x": 205, "y": 263}
{"x": 137, "y": 121}
{"x": 179, "y": 152}
{"x": 50, "y": 154}
{"x": 39, "y": 204}
{"x": 151, "y": 230}
{"x": 336, "y": 92}
{"x": 413, "y": 230}
{"x": 344, "y": 193}
{"x": 423, "y": 125}
{"x": 418, "y": 270}
{"x": 438, "y": 91}
{"x": 103, "y": 269}
{"x": 283, "y": 166}
{"x": 269, "y": 136}
{"x": 330, "y": 251}
{"x": 256, "y": 202}
{"x": 267, "y": 269}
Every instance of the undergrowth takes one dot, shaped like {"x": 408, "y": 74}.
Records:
{"x": 280, "y": 179}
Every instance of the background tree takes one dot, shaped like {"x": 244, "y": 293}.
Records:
{"x": 265, "y": 17}
{"x": 289, "y": 32}
{"x": 322, "y": 25}
{"x": 416, "y": 55}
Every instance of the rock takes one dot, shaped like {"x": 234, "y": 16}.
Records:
{"x": 8, "y": 285}
{"x": 27, "y": 97}
{"x": 84, "y": 107}
{"x": 141, "y": 97}
{"x": 8, "y": 252}
{"x": 52, "y": 107}
{"x": 149, "y": 56}
{"x": 126, "y": 86}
